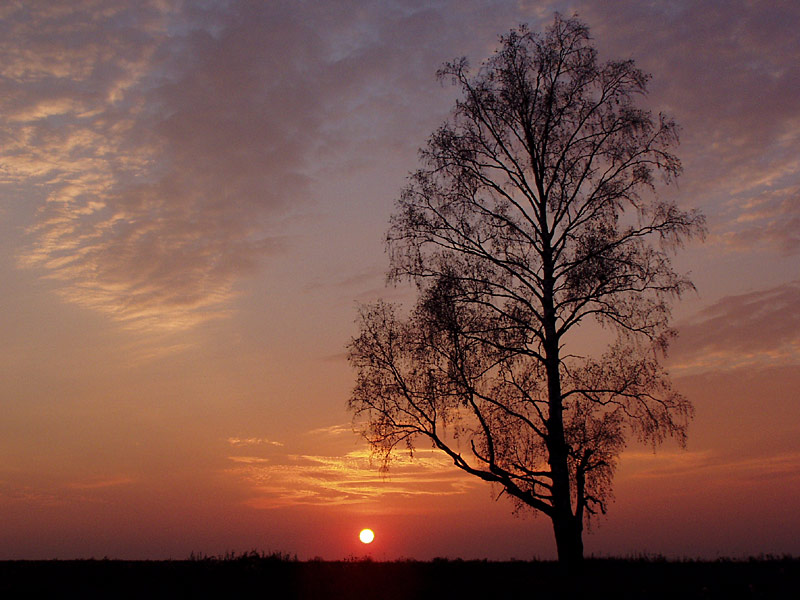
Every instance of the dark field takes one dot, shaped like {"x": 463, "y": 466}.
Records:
{"x": 276, "y": 576}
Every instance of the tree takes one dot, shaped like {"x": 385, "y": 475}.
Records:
{"x": 534, "y": 211}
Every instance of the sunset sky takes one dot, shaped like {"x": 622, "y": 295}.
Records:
{"x": 193, "y": 202}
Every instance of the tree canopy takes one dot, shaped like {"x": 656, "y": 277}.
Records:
{"x": 534, "y": 210}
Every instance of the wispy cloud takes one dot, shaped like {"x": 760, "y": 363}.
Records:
{"x": 59, "y": 494}
{"x": 712, "y": 465}
{"x": 334, "y": 430}
{"x": 161, "y": 141}
{"x": 727, "y": 73}
{"x": 13, "y": 492}
{"x": 770, "y": 219}
{"x": 158, "y": 141}
{"x": 252, "y": 441}
{"x": 97, "y": 484}
{"x": 277, "y": 478}
{"x": 757, "y": 328}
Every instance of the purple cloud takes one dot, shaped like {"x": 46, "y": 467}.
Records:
{"x": 760, "y": 327}
{"x": 158, "y": 146}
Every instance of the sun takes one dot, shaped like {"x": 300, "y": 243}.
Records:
{"x": 366, "y": 536}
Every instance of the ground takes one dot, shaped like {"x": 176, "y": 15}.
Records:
{"x": 278, "y": 576}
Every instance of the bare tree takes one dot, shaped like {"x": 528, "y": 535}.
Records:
{"x": 534, "y": 211}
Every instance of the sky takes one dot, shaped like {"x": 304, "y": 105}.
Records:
{"x": 194, "y": 198}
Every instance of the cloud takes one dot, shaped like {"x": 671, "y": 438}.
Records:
{"x": 156, "y": 197}
{"x": 726, "y": 72}
{"x": 97, "y": 484}
{"x": 248, "y": 460}
{"x": 162, "y": 141}
{"x": 772, "y": 219}
{"x": 760, "y": 327}
{"x": 12, "y": 492}
{"x": 252, "y": 441}
{"x": 708, "y": 464}
{"x": 351, "y": 478}
{"x": 333, "y": 430}
{"x": 160, "y": 144}
{"x": 60, "y": 494}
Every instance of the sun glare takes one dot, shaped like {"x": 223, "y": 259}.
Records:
{"x": 366, "y": 536}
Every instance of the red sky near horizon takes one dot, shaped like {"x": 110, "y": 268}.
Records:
{"x": 194, "y": 199}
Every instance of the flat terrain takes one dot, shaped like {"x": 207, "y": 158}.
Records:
{"x": 271, "y": 576}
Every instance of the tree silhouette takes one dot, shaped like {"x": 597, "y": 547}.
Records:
{"x": 534, "y": 211}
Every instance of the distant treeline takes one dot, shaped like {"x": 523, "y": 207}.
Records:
{"x": 278, "y": 575}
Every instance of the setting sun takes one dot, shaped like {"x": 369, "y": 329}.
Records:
{"x": 366, "y": 536}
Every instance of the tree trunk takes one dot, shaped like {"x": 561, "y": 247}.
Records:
{"x": 568, "y": 527}
{"x": 569, "y": 542}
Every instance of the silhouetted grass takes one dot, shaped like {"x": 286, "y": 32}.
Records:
{"x": 277, "y": 575}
